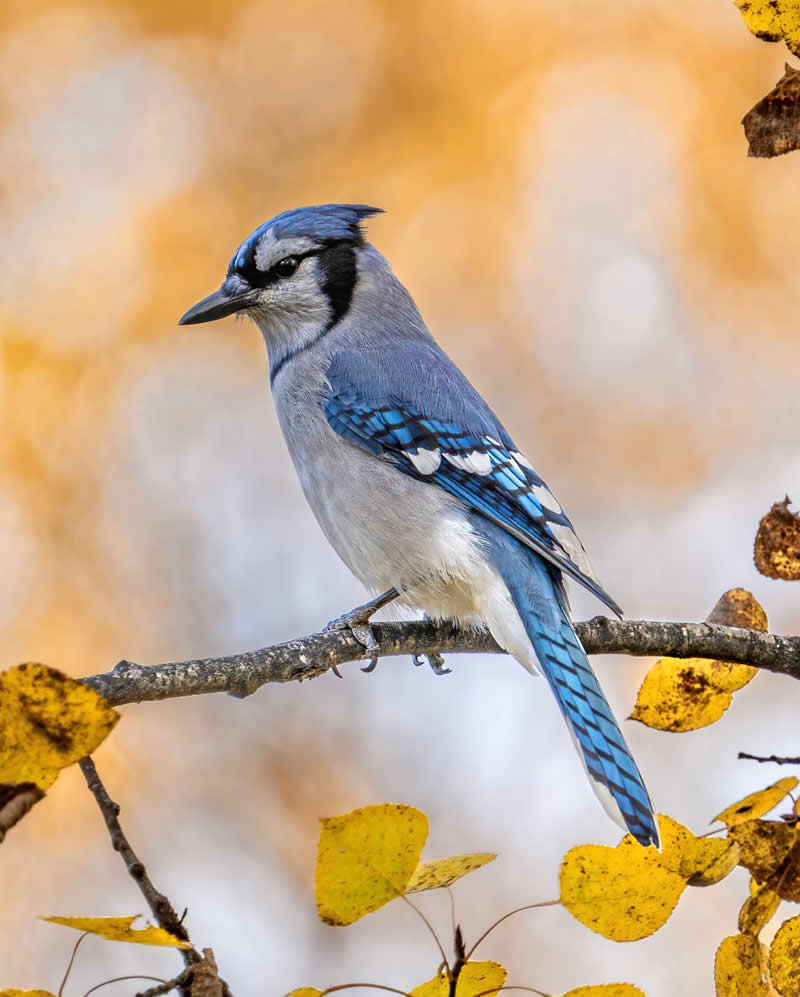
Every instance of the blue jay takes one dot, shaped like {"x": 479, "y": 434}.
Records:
{"x": 413, "y": 479}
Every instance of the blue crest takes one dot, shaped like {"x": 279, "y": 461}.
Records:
{"x": 323, "y": 222}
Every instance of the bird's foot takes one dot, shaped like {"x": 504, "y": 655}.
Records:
{"x": 434, "y": 659}
{"x": 357, "y": 622}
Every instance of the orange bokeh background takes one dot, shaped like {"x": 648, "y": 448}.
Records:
{"x": 570, "y": 201}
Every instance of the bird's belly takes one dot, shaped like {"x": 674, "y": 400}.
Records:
{"x": 392, "y": 530}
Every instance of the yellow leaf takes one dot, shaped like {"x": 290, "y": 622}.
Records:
{"x": 777, "y": 546}
{"x": 444, "y": 872}
{"x": 784, "y": 959}
{"x": 773, "y": 20}
{"x": 700, "y": 861}
{"x": 305, "y": 992}
{"x": 680, "y": 694}
{"x": 759, "y": 908}
{"x": 740, "y": 968}
{"x": 606, "y": 990}
{"x": 366, "y": 858}
{"x": 47, "y": 722}
{"x": 770, "y": 851}
{"x": 26, "y": 993}
{"x": 623, "y": 893}
{"x": 475, "y": 978}
{"x": 118, "y": 929}
{"x": 757, "y": 804}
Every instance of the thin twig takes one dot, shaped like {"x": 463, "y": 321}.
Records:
{"x": 119, "y": 979}
{"x": 308, "y": 657}
{"x": 162, "y": 909}
{"x": 778, "y": 759}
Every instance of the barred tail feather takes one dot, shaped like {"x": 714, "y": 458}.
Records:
{"x": 539, "y": 599}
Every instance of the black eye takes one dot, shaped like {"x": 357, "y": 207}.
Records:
{"x": 285, "y": 268}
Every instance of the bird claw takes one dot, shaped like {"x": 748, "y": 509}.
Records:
{"x": 435, "y": 660}
{"x": 357, "y": 622}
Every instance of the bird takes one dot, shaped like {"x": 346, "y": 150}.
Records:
{"x": 413, "y": 479}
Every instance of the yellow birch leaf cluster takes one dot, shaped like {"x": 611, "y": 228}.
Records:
{"x": 629, "y": 892}
{"x": 47, "y": 722}
{"x": 773, "y": 20}
{"x": 681, "y": 694}
{"x": 119, "y": 929}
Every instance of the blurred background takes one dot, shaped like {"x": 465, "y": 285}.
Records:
{"x": 570, "y": 201}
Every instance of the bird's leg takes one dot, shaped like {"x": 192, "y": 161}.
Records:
{"x": 357, "y": 622}
{"x": 434, "y": 659}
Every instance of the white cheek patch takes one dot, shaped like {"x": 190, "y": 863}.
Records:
{"x": 475, "y": 462}
{"x": 546, "y": 498}
{"x": 425, "y": 461}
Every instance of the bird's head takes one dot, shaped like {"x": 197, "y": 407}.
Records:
{"x": 297, "y": 269}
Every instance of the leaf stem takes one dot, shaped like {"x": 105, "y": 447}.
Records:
{"x": 518, "y": 910}
{"x": 429, "y": 926}
{"x": 71, "y": 961}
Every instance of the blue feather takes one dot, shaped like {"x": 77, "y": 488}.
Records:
{"x": 506, "y": 494}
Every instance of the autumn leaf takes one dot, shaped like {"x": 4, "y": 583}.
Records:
{"x": 758, "y": 909}
{"x": 47, "y": 722}
{"x": 474, "y": 978}
{"x": 756, "y": 804}
{"x": 16, "y": 799}
{"x": 777, "y": 546}
{"x": 700, "y": 861}
{"x": 445, "y": 872}
{"x": 366, "y": 858}
{"x": 773, "y": 20}
{"x": 606, "y": 990}
{"x": 118, "y": 929}
{"x": 622, "y": 893}
{"x": 770, "y": 851}
{"x": 681, "y": 694}
{"x": 26, "y": 993}
{"x": 740, "y": 968}
{"x": 305, "y": 992}
{"x": 784, "y": 958}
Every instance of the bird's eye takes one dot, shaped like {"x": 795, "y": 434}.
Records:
{"x": 285, "y": 268}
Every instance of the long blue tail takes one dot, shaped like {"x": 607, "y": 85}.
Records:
{"x": 540, "y": 600}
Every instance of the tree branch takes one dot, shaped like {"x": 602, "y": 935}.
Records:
{"x": 163, "y": 911}
{"x": 242, "y": 674}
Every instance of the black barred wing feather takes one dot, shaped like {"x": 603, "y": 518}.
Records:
{"x": 494, "y": 480}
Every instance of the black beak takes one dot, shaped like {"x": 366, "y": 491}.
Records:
{"x": 217, "y": 305}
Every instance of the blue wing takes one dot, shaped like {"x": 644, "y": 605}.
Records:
{"x": 488, "y": 475}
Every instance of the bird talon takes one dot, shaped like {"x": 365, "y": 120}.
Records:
{"x": 357, "y": 622}
{"x": 436, "y": 661}
{"x": 336, "y": 672}
{"x": 417, "y": 660}
{"x": 372, "y": 665}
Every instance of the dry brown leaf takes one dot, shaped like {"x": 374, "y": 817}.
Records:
{"x": 16, "y": 799}
{"x": 777, "y": 546}
{"x": 770, "y": 851}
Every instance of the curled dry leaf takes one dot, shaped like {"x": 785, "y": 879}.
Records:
{"x": 681, "y": 694}
{"x": 16, "y": 799}
{"x": 770, "y": 851}
{"x": 777, "y": 546}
